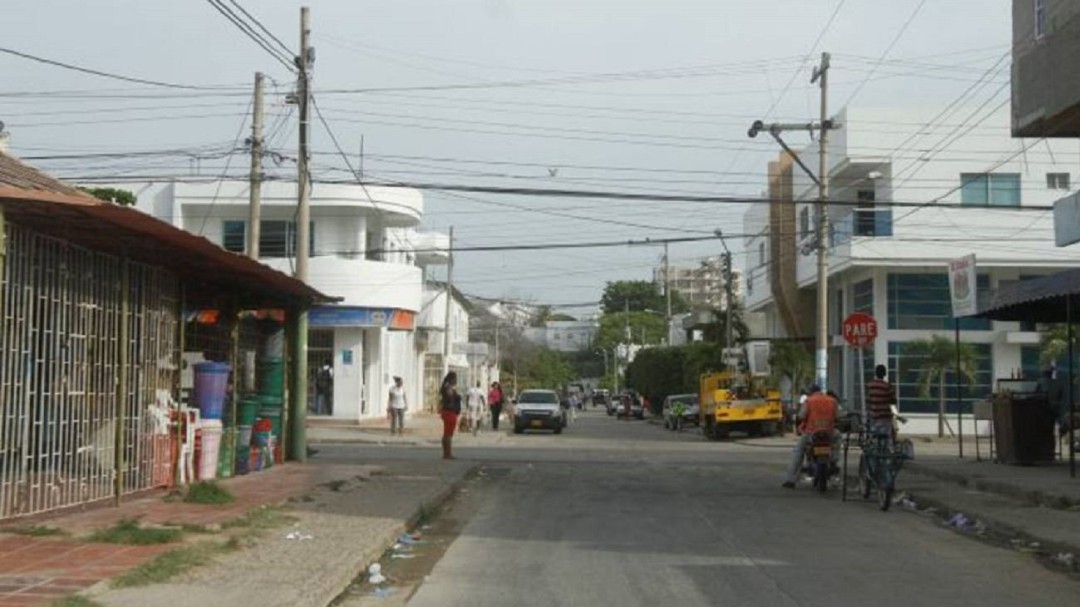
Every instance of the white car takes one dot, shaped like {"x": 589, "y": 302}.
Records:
{"x": 538, "y": 410}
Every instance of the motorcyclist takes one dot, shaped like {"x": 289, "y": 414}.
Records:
{"x": 817, "y": 414}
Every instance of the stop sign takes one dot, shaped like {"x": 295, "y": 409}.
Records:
{"x": 860, "y": 329}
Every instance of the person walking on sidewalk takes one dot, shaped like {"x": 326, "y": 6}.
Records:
{"x": 495, "y": 403}
{"x": 476, "y": 404}
{"x": 398, "y": 406}
{"x": 449, "y": 409}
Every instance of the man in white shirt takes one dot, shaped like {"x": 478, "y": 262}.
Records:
{"x": 476, "y": 402}
{"x": 398, "y": 405}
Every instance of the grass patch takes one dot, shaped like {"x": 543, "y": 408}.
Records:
{"x": 128, "y": 532}
{"x": 75, "y": 601}
{"x": 260, "y": 519}
{"x": 170, "y": 564}
{"x": 35, "y": 530}
{"x": 207, "y": 492}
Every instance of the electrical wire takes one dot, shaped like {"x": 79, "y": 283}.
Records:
{"x": 110, "y": 75}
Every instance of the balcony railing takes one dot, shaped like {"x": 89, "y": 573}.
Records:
{"x": 873, "y": 223}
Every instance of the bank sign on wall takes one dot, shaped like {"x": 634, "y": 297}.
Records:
{"x": 963, "y": 287}
{"x": 348, "y": 316}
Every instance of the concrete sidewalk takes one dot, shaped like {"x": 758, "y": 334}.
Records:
{"x": 423, "y": 429}
{"x": 345, "y": 516}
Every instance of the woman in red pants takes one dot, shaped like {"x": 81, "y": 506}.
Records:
{"x": 449, "y": 409}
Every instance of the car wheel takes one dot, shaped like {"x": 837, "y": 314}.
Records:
{"x": 558, "y": 429}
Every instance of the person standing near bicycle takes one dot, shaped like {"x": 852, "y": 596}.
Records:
{"x": 880, "y": 399}
{"x": 817, "y": 414}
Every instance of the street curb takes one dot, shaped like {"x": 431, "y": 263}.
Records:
{"x": 1038, "y": 498}
{"x": 382, "y": 544}
{"x": 420, "y": 442}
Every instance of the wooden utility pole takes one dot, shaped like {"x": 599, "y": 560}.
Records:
{"x": 255, "y": 180}
{"x": 297, "y": 328}
{"x": 667, "y": 294}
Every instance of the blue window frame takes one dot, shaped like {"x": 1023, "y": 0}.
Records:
{"x": 921, "y": 301}
{"x": 234, "y": 235}
{"x": 990, "y": 189}
{"x": 906, "y": 372}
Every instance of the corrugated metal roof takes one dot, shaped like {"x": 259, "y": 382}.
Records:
{"x": 40, "y": 202}
{"x": 1037, "y": 300}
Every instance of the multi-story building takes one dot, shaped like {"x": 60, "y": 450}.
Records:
{"x": 364, "y": 249}
{"x": 907, "y": 211}
{"x": 1046, "y": 55}
{"x": 702, "y": 286}
{"x": 570, "y": 335}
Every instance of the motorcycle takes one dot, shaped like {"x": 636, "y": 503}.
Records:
{"x": 819, "y": 460}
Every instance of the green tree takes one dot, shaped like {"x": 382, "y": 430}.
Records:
{"x": 612, "y": 329}
{"x": 716, "y": 331}
{"x": 793, "y": 360}
{"x": 638, "y": 296}
{"x": 121, "y": 197}
{"x": 935, "y": 358}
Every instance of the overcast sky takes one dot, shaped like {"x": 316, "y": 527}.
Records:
{"x": 631, "y": 96}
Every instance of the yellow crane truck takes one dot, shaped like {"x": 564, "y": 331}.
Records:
{"x": 741, "y": 401}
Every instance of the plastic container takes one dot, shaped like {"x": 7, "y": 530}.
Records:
{"x": 267, "y": 401}
{"x": 273, "y": 346}
{"x": 249, "y": 408}
{"x": 225, "y": 451}
{"x": 274, "y": 415}
{"x": 271, "y": 377}
{"x": 211, "y": 382}
{"x": 243, "y": 437}
{"x": 209, "y": 446}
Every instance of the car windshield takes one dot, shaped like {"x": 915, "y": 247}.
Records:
{"x": 539, "y": 397}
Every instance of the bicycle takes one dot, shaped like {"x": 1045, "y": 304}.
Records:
{"x": 880, "y": 461}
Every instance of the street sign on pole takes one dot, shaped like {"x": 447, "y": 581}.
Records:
{"x": 963, "y": 286}
{"x": 860, "y": 329}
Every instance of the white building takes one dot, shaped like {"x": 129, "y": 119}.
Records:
{"x": 570, "y": 335}
{"x": 364, "y": 249}
{"x": 701, "y": 286}
{"x": 890, "y": 261}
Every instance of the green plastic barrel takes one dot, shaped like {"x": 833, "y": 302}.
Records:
{"x": 249, "y": 408}
{"x": 271, "y": 377}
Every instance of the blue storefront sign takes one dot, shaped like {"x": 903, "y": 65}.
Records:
{"x": 346, "y": 316}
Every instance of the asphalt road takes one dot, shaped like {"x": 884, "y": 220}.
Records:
{"x": 626, "y": 513}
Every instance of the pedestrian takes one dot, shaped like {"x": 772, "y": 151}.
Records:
{"x": 880, "y": 398}
{"x": 449, "y": 409}
{"x": 398, "y": 406}
{"x": 495, "y": 403}
{"x": 324, "y": 389}
{"x": 476, "y": 403}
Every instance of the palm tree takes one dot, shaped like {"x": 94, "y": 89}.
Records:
{"x": 936, "y": 357}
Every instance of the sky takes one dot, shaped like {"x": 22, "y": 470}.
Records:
{"x": 646, "y": 96}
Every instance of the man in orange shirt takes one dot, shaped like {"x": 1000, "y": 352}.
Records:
{"x": 818, "y": 414}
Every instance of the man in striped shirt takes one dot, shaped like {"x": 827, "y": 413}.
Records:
{"x": 880, "y": 398}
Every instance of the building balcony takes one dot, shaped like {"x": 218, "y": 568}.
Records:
{"x": 432, "y": 248}
{"x": 360, "y": 282}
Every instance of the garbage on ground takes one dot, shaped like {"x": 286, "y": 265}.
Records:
{"x": 1066, "y": 559}
{"x": 375, "y": 575}
{"x": 402, "y": 556}
{"x": 297, "y": 536}
{"x": 408, "y": 539}
{"x": 980, "y": 528}
{"x": 382, "y": 593}
{"x": 958, "y": 520}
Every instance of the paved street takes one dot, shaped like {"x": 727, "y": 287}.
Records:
{"x": 626, "y": 513}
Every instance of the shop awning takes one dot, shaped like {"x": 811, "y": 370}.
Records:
{"x": 1037, "y": 300}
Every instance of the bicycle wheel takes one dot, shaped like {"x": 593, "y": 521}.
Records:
{"x": 884, "y": 485}
{"x": 864, "y": 477}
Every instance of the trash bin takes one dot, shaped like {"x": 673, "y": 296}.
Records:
{"x": 1023, "y": 428}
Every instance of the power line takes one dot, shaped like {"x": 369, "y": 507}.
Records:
{"x": 113, "y": 76}
{"x": 282, "y": 57}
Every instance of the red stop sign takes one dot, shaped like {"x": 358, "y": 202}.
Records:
{"x": 860, "y": 329}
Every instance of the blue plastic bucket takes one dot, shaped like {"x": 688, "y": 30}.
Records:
{"x": 211, "y": 382}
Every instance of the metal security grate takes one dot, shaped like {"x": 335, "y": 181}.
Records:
{"x": 59, "y": 366}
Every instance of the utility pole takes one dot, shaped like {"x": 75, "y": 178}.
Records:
{"x": 667, "y": 293}
{"x": 449, "y": 299}
{"x": 361, "y": 165}
{"x": 255, "y": 185}
{"x": 822, "y": 356}
{"x": 298, "y": 319}
{"x": 729, "y": 335}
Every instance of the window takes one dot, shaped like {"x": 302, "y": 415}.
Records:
{"x": 990, "y": 189}
{"x": 862, "y": 296}
{"x": 1040, "y": 18}
{"x": 804, "y": 222}
{"x": 1057, "y": 181}
{"x": 278, "y": 239}
{"x": 1030, "y": 363}
{"x": 234, "y": 236}
{"x": 906, "y": 370}
{"x": 922, "y": 301}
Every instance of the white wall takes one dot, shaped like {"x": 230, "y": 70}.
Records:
{"x": 347, "y": 378}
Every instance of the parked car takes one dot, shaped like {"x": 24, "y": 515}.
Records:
{"x": 637, "y": 406}
{"x": 691, "y": 412}
{"x": 538, "y": 410}
{"x": 601, "y": 396}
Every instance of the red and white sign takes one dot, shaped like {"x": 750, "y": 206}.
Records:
{"x": 860, "y": 329}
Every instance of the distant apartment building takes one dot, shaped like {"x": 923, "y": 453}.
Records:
{"x": 702, "y": 286}
{"x": 969, "y": 197}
